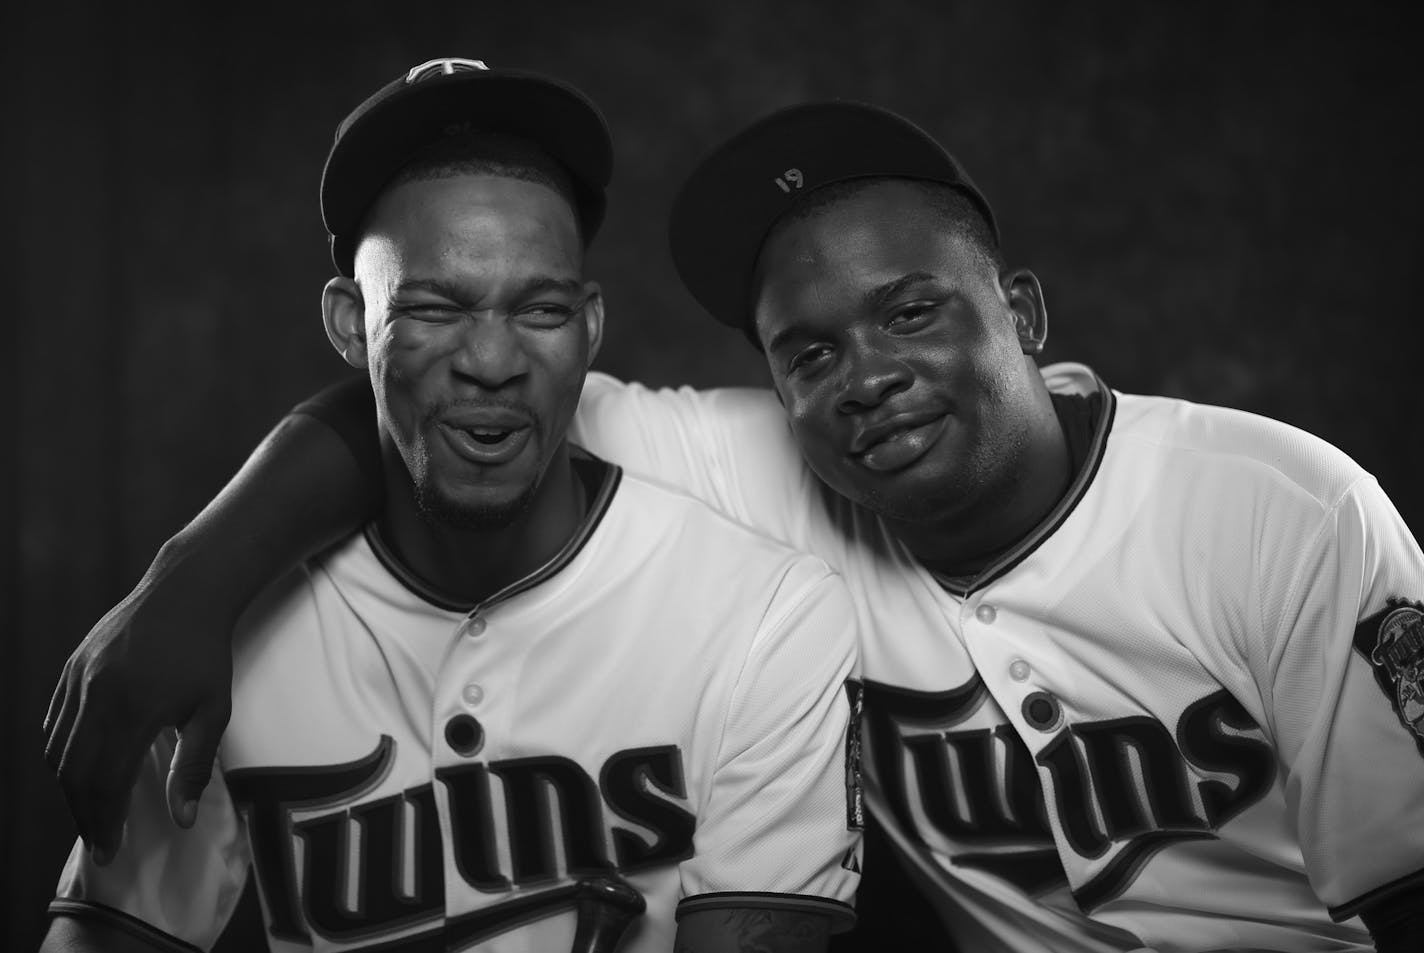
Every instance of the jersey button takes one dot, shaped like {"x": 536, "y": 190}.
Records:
{"x": 1018, "y": 670}
{"x": 464, "y": 735}
{"x": 986, "y": 614}
{"x": 473, "y": 694}
{"x": 1042, "y": 711}
{"x": 474, "y": 626}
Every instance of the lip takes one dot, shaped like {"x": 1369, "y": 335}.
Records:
{"x": 456, "y": 432}
{"x": 897, "y": 441}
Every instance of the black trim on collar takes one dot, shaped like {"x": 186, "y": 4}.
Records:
{"x": 963, "y": 586}
{"x": 600, "y": 480}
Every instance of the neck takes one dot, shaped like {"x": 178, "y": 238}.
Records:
{"x": 1015, "y": 500}
{"x": 468, "y": 566}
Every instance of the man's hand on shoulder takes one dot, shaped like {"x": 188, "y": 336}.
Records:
{"x": 163, "y": 656}
{"x": 160, "y": 657}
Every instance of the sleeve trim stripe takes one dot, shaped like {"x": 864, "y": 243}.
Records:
{"x": 119, "y": 920}
{"x": 842, "y": 914}
{"x": 1352, "y": 908}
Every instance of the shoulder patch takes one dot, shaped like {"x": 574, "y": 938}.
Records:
{"x": 1392, "y": 641}
{"x": 855, "y": 790}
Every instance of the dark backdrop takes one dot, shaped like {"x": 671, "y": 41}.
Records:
{"x": 1223, "y": 201}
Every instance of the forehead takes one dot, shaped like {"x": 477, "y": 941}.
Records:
{"x": 862, "y": 242}
{"x": 462, "y": 221}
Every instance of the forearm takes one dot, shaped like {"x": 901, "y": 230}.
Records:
{"x": 304, "y": 487}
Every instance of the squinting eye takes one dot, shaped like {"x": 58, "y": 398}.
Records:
{"x": 427, "y": 312}
{"x": 546, "y": 315}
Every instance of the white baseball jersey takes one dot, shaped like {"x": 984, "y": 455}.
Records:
{"x": 1186, "y": 713}
{"x": 667, "y": 700}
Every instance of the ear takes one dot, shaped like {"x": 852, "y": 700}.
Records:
{"x": 1024, "y": 296}
{"x": 343, "y": 311}
{"x": 593, "y": 316}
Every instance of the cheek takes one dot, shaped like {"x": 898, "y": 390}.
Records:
{"x": 810, "y": 413}
{"x": 562, "y": 361}
{"x": 404, "y": 374}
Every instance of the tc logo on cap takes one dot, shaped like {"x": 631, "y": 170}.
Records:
{"x": 442, "y": 67}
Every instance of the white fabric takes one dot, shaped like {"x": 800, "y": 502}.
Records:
{"x": 675, "y": 638}
{"x": 1192, "y": 616}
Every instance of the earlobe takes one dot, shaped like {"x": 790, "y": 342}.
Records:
{"x": 593, "y": 316}
{"x": 1025, "y": 299}
{"x": 343, "y": 311}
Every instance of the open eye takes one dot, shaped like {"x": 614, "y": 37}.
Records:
{"x": 912, "y": 316}
{"x": 807, "y": 358}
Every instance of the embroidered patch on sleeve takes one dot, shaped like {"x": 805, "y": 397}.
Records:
{"x": 1392, "y": 641}
{"x": 855, "y": 790}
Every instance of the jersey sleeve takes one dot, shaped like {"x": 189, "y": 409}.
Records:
{"x": 176, "y": 888}
{"x": 781, "y": 826}
{"x": 729, "y": 447}
{"x": 1345, "y": 683}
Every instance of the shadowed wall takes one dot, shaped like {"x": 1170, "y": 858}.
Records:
{"x": 1222, "y": 200}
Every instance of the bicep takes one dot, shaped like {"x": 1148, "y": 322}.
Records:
{"x": 752, "y": 930}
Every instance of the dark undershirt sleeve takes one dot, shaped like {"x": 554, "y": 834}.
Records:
{"x": 349, "y": 408}
{"x": 1397, "y": 922}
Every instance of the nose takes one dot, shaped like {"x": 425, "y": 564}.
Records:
{"x": 489, "y": 352}
{"x": 870, "y": 377}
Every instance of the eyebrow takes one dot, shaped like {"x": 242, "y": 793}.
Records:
{"x": 878, "y": 297}
{"x": 533, "y": 285}
{"x": 873, "y": 300}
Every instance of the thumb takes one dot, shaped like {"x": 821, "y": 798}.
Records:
{"x": 192, "y": 763}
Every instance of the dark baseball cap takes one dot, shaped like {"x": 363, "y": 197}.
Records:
{"x": 445, "y": 97}
{"x": 724, "y": 211}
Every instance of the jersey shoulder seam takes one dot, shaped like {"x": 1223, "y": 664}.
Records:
{"x": 1345, "y": 476}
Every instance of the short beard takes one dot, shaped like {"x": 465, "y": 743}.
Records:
{"x": 437, "y": 509}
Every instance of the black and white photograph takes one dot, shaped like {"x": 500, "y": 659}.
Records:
{"x": 712, "y": 477}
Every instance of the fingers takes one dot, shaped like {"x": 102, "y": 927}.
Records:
{"x": 63, "y": 708}
{"x": 192, "y": 763}
{"x": 97, "y": 776}
{"x": 95, "y": 750}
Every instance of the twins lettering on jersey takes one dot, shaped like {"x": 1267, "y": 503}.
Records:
{"x": 389, "y": 899}
{"x": 1122, "y": 789}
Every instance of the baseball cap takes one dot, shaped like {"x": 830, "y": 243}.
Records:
{"x": 451, "y": 96}
{"x": 722, "y": 214}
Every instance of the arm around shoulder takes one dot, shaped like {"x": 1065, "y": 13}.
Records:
{"x": 162, "y": 657}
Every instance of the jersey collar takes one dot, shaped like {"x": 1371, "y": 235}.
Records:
{"x": 600, "y": 480}
{"x": 1070, "y": 381}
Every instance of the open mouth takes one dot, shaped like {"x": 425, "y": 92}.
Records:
{"x": 485, "y": 444}
{"x": 488, "y": 436}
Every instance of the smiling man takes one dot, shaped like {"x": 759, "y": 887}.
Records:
{"x": 1138, "y": 671}
{"x": 531, "y": 682}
